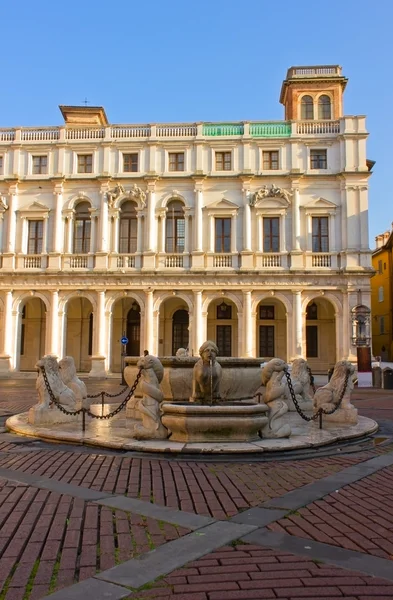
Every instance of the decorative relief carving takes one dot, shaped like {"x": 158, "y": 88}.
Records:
{"x": 135, "y": 193}
{"x": 270, "y": 192}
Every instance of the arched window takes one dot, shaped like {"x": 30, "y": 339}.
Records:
{"x": 175, "y": 227}
{"x": 307, "y": 108}
{"x": 324, "y": 108}
{"x": 82, "y": 228}
{"x": 128, "y": 228}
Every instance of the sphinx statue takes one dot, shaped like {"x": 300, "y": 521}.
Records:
{"x": 149, "y": 405}
{"x": 207, "y": 375}
{"x": 339, "y": 388}
{"x": 274, "y": 396}
{"x": 300, "y": 379}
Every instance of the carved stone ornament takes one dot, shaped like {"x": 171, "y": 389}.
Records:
{"x": 137, "y": 194}
{"x": 271, "y": 192}
{"x": 3, "y": 204}
{"x": 113, "y": 195}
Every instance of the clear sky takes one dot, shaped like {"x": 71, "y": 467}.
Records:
{"x": 172, "y": 61}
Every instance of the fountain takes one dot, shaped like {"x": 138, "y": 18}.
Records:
{"x": 186, "y": 404}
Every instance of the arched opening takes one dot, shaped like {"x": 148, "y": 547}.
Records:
{"x": 180, "y": 333}
{"x": 175, "y": 228}
{"x": 126, "y": 321}
{"x": 222, "y": 326}
{"x": 324, "y": 107}
{"x": 271, "y": 330}
{"x": 32, "y": 333}
{"x": 79, "y": 332}
{"x": 128, "y": 228}
{"x": 320, "y": 335}
{"x": 307, "y": 108}
{"x": 82, "y": 228}
{"x": 133, "y": 330}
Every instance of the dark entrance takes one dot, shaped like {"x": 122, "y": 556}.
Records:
{"x": 224, "y": 340}
{"x": 180, "y": 335}
{"x": 134, "y": 331}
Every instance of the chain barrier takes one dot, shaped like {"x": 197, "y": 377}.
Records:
{"x": 107, "y": 394}
{"x": 312, "y": 380}
{"x": 86, "y": 411}
{"x": 320, "y": 411}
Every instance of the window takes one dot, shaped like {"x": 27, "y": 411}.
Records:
{"x": 82, "y": 226}
{"x": 271, "y": 234}
{"x": 270, "y": 160}
{"x": 379, "y": 267}
{"x": 128, "y": 228}
{"x": 40, "y": 164}
{"x": 312, "y": 312}
{"x": 380, "y": 294}
{"x": 381, "y": 324}
{"x": 176, "y": 161}
{"x": 320, "y": 234}
{"x": 224, "y": 311}
{"x": 266, "y": 312}
{"x": 23, "y": 331}
{"x": 175, "y": 228}
{"x": 223, "y": 235}
{"x": 1, "y": 164}
{"x": 324, "y": 108}
{"x": 266, "y": 340}
{"x": 130, "y": 163}
{"x": 311, "y": 341}
{"x": 318, "y": 159}
{"x": 223, "y": 161}
{"x": 90, "y": 342}
{"x": 224, "y": 340}
{"x": 85, "y": 163}
{"x": 180, "y": 334}
{"x": 307, "y": 108}
{"x": 34, "y": 244}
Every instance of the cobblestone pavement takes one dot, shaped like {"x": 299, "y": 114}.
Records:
{"x": 74, "y": 520}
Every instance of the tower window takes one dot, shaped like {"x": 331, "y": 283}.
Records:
{"x": 307, "y": 108}
{"x": 324, "y": 107}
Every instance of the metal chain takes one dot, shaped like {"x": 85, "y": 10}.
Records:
{"x": 321, "y": 410}
{"x": 312, "y": 380}
{"x": 107, "y": 394}
{"x": 86, "y": 410}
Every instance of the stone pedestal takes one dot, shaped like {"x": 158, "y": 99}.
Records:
{"x": 41, "y": 415}
{"x": 97, "y": 367}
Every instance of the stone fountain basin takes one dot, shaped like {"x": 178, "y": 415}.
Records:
{"x": 226, "y": 422}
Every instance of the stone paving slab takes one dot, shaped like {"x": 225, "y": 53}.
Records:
{"x": 137, "y": 572}
{"x": 91, "y": 589}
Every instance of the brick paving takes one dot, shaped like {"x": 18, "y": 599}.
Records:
{"x": 49, "y": 540}
{"x": 244, "y": 572}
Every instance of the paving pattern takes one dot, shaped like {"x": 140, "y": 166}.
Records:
{"x": 81, "y": 523}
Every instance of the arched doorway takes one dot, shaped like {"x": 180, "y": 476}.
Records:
{"x": 320, "y": 335}
{"x": 32, "y": 333}
{"x": 126, "y": 320}
{"x": 79, "y": 332}
{"x": 133, "y": 330}
{"x": 180, "y": 332}
{"x": 271, "y": 330}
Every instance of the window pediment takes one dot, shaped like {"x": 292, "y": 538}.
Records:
{"x": 320, "y": 205}
{"x": 222, "y": 207}
{"x": 36, "y": 210}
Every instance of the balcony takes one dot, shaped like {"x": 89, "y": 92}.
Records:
{"x": 77, "y": 261}
{"x": 272, "y": 260}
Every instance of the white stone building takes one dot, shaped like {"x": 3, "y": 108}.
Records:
{"x": 253, "y": 234}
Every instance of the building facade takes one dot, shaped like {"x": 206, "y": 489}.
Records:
{"x": 382, "y": 296}
{"x": 252, "y": 234}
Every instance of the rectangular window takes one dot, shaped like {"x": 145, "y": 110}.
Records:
{"x": 318, "y": 159}
{"x": 35, "y": 232}
{"x": 266, "y": 312}
{"x": 223, "y": 161}
{"x": 82, "y": 236}
{"x": 224, "y": 340}
{"x": 176, "y": 161}
{"x": 271, "y": 234}
{"x": 223, "y": 235}
{"x": 380, "y": 267}
{"x": 40, "y": 165}
{"x": 320, "y": 234}
{"x": 1, "y": 165}
{"x": 380, "y": 294}
{"x": 130, "y": 163}
{"x": 175, "y": 235}
{"x": 312, "y": 341}
{"x": 381, "y": 324}
{"x": 85, "y": 163}
{"x": 270, "y": 160}
{"x": 128, "y": 236}
{"x": 266, "y": 340}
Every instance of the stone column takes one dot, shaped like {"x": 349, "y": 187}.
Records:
{"x": 45, "y": 235}
{"x": 6, "y": 346}
{"x": 248, "y": 328}
{"x": 199, "y": 335}
{"x": 104, "y": 222}
{"x": 54, "y": 346}
{"x": 93, "y": 232}
{"x": 197, "y": 252}
{"x": 234, "y": 233}
{"x": 246, "y": 225}
{"x": 9, "y": 251}
{"x": 57, "y": 240}
{"x": 99, "y": 337}
{"x": 283, "y": 240}
{"x": 296, "y": 253}
{"x": 150, "y": 250}
{"x": 298, "y": 322}
{"x": 1, "y": 229}
{"x": 163, "y": 230}
{"x": 149, "y": 321}
{"x": 212, "y": 234}
{"x": 139, "y": 234}
{"x": 70, "y": 230}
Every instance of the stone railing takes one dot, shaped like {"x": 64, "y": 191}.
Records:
{"x": 271, "y": 261}
{"x": 321, "y": 259}
{"x": 222, "y": 260}
{"x": 301, "y": 72}
{"x": 125, "y": 261}
{"x": 268, "y": 129}
{"x": 32, "y": 261}
{"x": 174, "y": 261}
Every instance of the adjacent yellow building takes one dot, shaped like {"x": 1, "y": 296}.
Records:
{"x": 382, "y": 296}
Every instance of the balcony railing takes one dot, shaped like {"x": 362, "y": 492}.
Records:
{"x": 48, "y": 134}
{"x": 85, "y": 134}
{"x": 318, "y": 127}
{"x": 270, "y": 130}
{"x": 126, "y": 261}
{"x": 219, "y": 129}
{"x": 321, "y": 260}
{"x": 270, "y": 261}
{"x": 32, "y": 261}
{"x": 176, "y": 130}
{"x": 222, "y": 260}
{"x": 174, "y": 261}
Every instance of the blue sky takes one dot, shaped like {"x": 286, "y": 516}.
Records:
{"x": 172, "y": 61}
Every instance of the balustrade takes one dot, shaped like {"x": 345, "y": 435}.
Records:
{"x": 41, "y": 135}
{"x": 222, "y": 260}
{"x": 32, "y": 261}
{"x": 130, "y": 131}
{"x": 281, "y": 129}
{"x": 321, "y": 260}
{"x": 125, "y": 261}
{"x": 317, "y": 127}
{"x": 174, "y": 261}
{"x": 176, "y": 130}
{"x": 85, "y": 134}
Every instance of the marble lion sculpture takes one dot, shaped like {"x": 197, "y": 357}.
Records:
{"x": 149, "y": 405}
{"x": 300, "y": 378}
{"x": 70, "y": 379}
{"x": 62, "y": 393}
{"x": 328, "y": 395}
{"x": 274, "y": 396}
